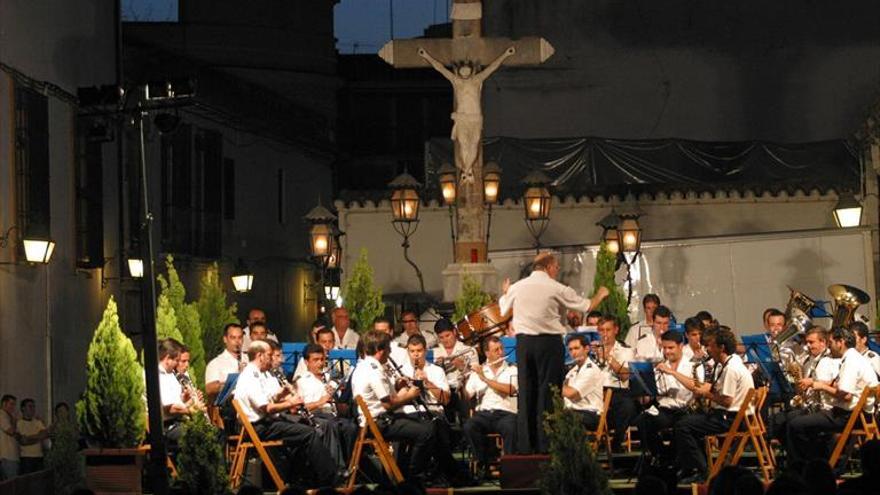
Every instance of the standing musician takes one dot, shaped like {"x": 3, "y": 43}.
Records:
{"x": 494, "y": 385}
{"x": 648, "y": 347}
{"x": 676, "y": 378}
{"x": 861, "y": 331}
{"x": 613, "y": 358}
{"x": 582, "y": 388}
{"x": 317, "y": 391}
{"x": 693, "y": 330}
{"x": 538, "y": 303}
{"x": 373, "y": 383}
{"x": 263, "y": 401}
{"x": 819, "y": 366}
{"x": 805, "y": 442}
{"x": 728, "y": 391}
{"x": 456, "y": 359}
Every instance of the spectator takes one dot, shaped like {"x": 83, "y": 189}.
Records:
{"x": 9, "y": 454}
{"x": 33, "y": 436}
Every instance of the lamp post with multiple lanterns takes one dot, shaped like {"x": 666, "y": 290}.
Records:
{"x": 405, "y": 204}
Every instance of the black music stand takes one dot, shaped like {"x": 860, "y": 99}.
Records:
{"x": 760, "y": 352}
{"x": 642, "y": 382}
{"x": 228, "y": 388}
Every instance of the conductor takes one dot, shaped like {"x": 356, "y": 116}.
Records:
{"x": 539, "y": 306}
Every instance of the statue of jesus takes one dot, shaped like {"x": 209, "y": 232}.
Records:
{"x": 467, "y": 117}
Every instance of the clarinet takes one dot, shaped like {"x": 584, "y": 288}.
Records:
{"x": 419, "y": 401}
{"x": 195, "y": 404}
{"x": 303, "y": 412}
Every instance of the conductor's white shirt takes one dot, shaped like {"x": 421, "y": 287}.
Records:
{"x": 539, "y": 304}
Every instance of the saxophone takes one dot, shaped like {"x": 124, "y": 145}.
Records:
{"x": 809, "y": 399}
{"x": 794, "y": 372}
{"x": 698, "y": 404}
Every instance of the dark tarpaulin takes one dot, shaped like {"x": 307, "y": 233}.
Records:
{"x": 598, "y": 166}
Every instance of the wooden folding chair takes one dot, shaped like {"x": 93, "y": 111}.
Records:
{"x": 249, "y": 439}
{"x": 146, "y": 448}
{"x": 369, "y": 435}
{"x": 602, "y": 436}
{"x": 867, "y": 422}
{"x": 747, "y": 416}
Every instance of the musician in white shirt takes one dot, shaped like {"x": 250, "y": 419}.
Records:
{"x": 862, "y": 337}
{"x": 398, "y": 348}
{"x": 693, "y": 349}
{"x": 263, "y": 407}
{"x": 226, "y": 363}
{"x": 410, "y": 322}
{"x": 613, "y": 357}
{"x": 582, "y": 387}
{"x": 539, "y": 303}
{"x": 456, "y": 358}
{"x": 346, "y": 338}
{"x": 256, "y": 316}
{"x": 675, "y": 385}
{"x": 493, "y": 384}
{"x": 805, "y": 432}
{"x": 647, "y": 347}
{"x": 728, "y": 391}
{"x": 650, "y": 303}
{"x": 326, "y": 340}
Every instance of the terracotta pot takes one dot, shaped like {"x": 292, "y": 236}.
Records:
{"x": 114, "y": 470}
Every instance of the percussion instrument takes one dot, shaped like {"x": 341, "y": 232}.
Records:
{"x": 482, "y": 323}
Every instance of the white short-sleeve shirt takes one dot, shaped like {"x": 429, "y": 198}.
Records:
{"x": 733, "y": 379}
{"x": 435, "y": 375}
{"x": 370, "y": 381}
{"x": 825, "y": 370}
{"x": 856, "y": 373}
{"x": 312, "y": 388}
{"x": 221, "y": 366}
{"x": 874, "y": 359}
{"x": 467, "y": 353}
{"x": 252, "y": 393}
{"x": 488, "y": 399}
{"x": 586, "y": 378}
{"x": 671, "y": 393}
{"x": 170, "y": 390}
{"x": 622, "y": 355}
{"x": 31, "y": 427}
{"x": 9, "y": 448}
{"x": 349, "y": 341}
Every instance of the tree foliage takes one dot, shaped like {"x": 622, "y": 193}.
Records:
{"x": 111, "y": 410}
{"x": 471, "y": 298}
{"x": 200, "y": 461}
{"x": 615, "y": 303}
{"x": 188, "y": 320}
{"x": 573, "y": 469}
{"x": 361, "y": 297}
{"x": 64, "y": 460}
{"x": 213, "y": 311}
{"x": 166, "y": 320}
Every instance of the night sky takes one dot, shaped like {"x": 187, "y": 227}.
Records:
{"x": 361, "y": 25}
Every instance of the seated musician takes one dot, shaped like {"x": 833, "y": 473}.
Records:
{"x": 456, "y": 358}
{"x": 317, "y": 391}
{"x": 693, "y": 349}
{"x": 805, "y": 439}
{"x": 573, "y": 319}
{"x": 410, "y": 322}
{"x": 592, "y": 319}
{"x": 176, "y": 402}
{"x": 648, "y": 346}
{"x": 732, "y": 382}
{"x": 371, "y": 380}
{"x": 263, "y": 402}
{"x": 325, "y": 339}
{"x": 707, "y": 319}
{"x": 582, "y": 388}
{"x": 676, "y": 380}
{"x": 431, "y": 379}
{"x": 861, "y": 331}
{"x": 613, "y": 358}
{"x": 493, "y": 384}
{"x": 650, "y": 303}
{"x": 226, "y": 363}
{"x": 819, "y": 366}
{"x": 398, "y": 348}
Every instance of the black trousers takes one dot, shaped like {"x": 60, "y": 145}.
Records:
{"x": 301, "y": 442}
{"x": 417, "y": 433}
{"x": 689, "y": 433}
{"x": 338, "y": 436}
{"x": 540, "y": 360}
{"x": 807, "y": 434}
{"x": 778, "y": 424}
{"x": 484, "y": 422}
{"x": 458, "y": 407}
{"x": 30, "y": 465}
{"x": 621, "y": 414}
{"x": 441, "y": 450}
{"x": 589, "y": 419}
{"x": 651, "y": 425}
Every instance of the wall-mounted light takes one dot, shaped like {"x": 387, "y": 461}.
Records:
{"x": 847, "y": 211}
{"x": 136, "y": 267}
{"x": 537, "y": 201}
{"x": 38, "y": 250}
{"x": 242, "y": 278}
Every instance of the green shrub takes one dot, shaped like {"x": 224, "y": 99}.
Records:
{"x": 201, "y": 465}
{"x": 361, "y": 297}
{"x": 64, "y": 459}
{"x": 213, "y": 311}
{"x": 615, "y": 303}
{"x": 470, "y": 299}
{"x": 111, "y": 411}
{"x": 188, "y": 320}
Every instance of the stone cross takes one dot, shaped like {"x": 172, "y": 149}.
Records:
{"x": 460, "y": 60}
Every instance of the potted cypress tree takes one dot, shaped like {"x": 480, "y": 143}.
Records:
{"x": 111, "y": 412}
{"x": 362, "y": 298}
{"x": 213, "y": 311}
{"x": 615, "y": 303}
{"x": 471, "y": 298}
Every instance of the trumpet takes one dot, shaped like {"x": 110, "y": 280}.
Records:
{"x": 447, "y": 362}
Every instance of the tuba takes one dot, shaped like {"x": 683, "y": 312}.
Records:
{"x": 797, "y": 316}
{"x": 846, "y": 300}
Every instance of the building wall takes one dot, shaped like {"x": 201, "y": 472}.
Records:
{"x": 572, "y": 223}
{"x": 750, "y": 70}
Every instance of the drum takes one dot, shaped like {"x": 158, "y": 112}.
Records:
{"x": 482, "y": 323}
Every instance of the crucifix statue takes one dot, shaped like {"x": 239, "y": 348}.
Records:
{"x": 461, "y": 60}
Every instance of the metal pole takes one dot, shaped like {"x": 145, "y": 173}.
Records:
{"x": 412, "y": 263}
{"x": 158, "y": 451}
{"x": 452, "y": 230}
{"x": 488, "y": 230}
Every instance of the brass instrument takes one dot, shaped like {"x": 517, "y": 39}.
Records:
{"x": 448, "y": 366}
{"x": 846, "y": 300}
{"x": 797, "y": 316}
{"x": 794, "y": 372}
{"x": 809, "y": 399}
{"x": 699, "y": 404}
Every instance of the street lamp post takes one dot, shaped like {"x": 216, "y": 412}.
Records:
{"x": 405, "y": 214}
{"x": 537, "y": 201}
{"x": 491, "y": 187}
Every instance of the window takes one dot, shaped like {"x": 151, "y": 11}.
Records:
{"x": 88, "y": 169}
{"x": 229, "y": 189}
{"x": 177, "y": 184}
{"x": 209, "y": 193}
{"x": 31, "y": 162}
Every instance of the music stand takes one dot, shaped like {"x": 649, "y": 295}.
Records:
{"x": 291, "y": 352}
{"x": 760, "y": 352}
{"x": 641, "y": 379}
{"x": 228, "y": 387}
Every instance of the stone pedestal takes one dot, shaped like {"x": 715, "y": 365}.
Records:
{"x": 484, "y": 273}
